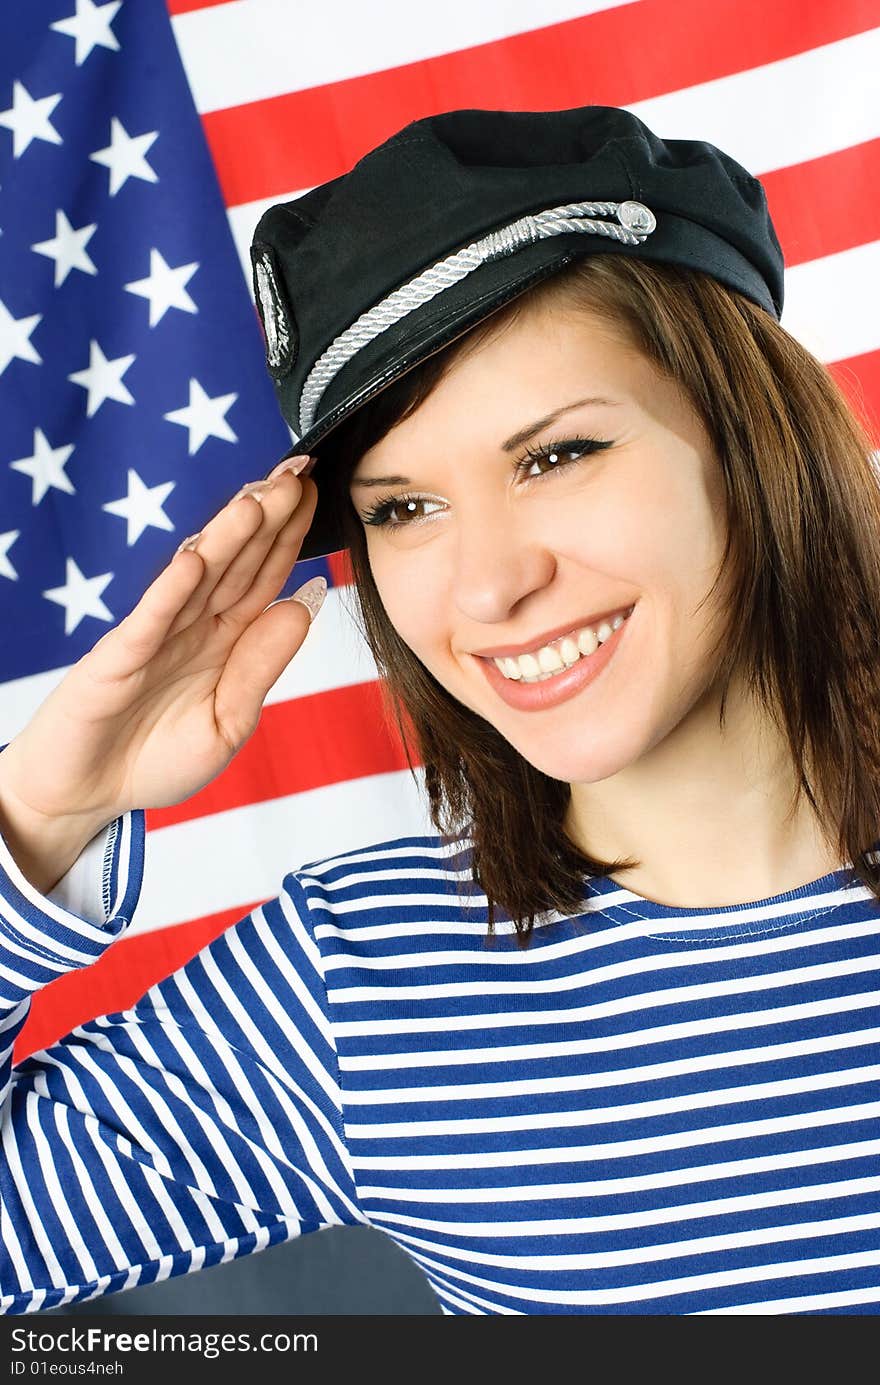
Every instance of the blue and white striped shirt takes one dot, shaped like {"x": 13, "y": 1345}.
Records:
{"x": 648, "y": 1110}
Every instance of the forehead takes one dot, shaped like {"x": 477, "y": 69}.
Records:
{"x": 505, "y": 375}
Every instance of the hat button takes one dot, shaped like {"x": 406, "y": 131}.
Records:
{"x": 635, "y": 216}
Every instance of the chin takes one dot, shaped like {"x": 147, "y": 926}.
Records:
{"x": 583, "y": 763}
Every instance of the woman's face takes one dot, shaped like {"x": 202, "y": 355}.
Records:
{"x": 513, "y": 530}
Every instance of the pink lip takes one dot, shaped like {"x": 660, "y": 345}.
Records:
{"x": 536, "y": 697}
{"x": 512, "y": 650}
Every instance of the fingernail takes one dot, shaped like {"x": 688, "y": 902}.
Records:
{"x": 255, "y": 488}
{"x": 294, "y": 464}
{"x": 311, "y": 595}
{"x": 190, "y": 542}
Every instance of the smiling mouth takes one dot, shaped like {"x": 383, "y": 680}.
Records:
{"x": 560, "y": 654}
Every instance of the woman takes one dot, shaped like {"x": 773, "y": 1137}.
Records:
{"x": 604, "y": 1043}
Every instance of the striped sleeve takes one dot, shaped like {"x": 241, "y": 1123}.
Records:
{"x": 200, "y": 1125}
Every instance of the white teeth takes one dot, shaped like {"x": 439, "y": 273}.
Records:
{"x": 569, "y": 651}
{"x": 551, "y": 659}
{"x": 548, "y": 660}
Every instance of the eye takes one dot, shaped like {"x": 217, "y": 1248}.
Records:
{"x": 559, "y": 454}
{"x": 387, "y": 509}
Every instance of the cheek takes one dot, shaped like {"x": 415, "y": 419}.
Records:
{"x": 410, "y": 595}
{"x": 655, "y": 527}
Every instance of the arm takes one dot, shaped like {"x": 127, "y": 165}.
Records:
{"x": 199, "y": 1126}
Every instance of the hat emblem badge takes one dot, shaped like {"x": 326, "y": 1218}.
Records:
{"x": 275, "y": 324}
{"x": 635, "y": 216}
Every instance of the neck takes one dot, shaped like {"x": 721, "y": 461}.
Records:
{"x": 713, "y": 816}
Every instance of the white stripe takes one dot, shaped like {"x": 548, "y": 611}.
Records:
{"x": 75, "y": 1245}
{"x": 334, "y": 655}
{"x": 90, "y": 1194}
{"x": 633, "y": 967}
{"x": 794, "y": 917}
{"x": 639, "y": 1002}
{"x": 567, "y": 1225}
{"x": 604, "y": 1152}
{"x": 426, "y": 1059}
{"x": 689, "y": 1284}
{"x": 637, "y": 1110}
{"x": 483, "y": 1091}
{"x": 266, "y": 1153}
{"x": 804, "y": 1303}
{"x": 290, "y": 1097}
{"x": 275, "y": 1008}
{"x": 175, "y": 1035}
{"x": 231, "y": 860}
{"x": 616, "y": 1187}
{"x": 23, "y": 1185}
{"x": 476, "y": 1301}
{"x": 252, "y": 50}
{"x": 650, "y": 1254}
{"x": 204, "y": 1180}
{"x": 832, "y": 305}
{"x": 730, "y": 112}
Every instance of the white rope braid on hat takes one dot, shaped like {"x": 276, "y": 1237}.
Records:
{"x": 635, "y": 222}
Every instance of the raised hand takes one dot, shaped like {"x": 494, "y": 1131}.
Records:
{"x": 160, "y": 705}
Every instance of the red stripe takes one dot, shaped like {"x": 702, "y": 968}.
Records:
{"x": 808, "y": 221}
{"x": 118, "y": 979}
{"x": 859, "y": 378}
{"x": 620, "y": 56}
{"x": 301, "y": 744}
{"x": 184, "y": 6}
{"x": 339, "y": 565}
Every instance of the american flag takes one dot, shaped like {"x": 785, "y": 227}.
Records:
{"x": 139, "y": 143}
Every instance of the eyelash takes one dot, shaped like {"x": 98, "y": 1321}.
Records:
{"x": 379, "y": 513}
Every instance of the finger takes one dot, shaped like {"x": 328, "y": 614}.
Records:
{"x": 218, "y": 545}
{"x": 239, "y": 535}
{"x": 284, "y": 501}
{"x": 135, "y": 640}
{"x": 278, "y": 564}
{"x": 257, "y": 660}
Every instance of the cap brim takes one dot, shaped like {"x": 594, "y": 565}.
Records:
{"x": 401, "y": 348}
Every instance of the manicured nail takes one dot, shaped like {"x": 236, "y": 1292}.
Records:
{"x": 311, "y": 595}
{"x": 294, "y": 464}
{"x": 190, "y": 542}
{"x": 255, "y": 488}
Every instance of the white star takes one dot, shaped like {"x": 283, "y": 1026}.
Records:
{"x": 90, "y": 26}
{"x": 204, "y": 417}
{"x": 68, "y": 248}
{"x": 80, "y": 596}
{"x": 15, "y": 333}
{"x": 6, "y": 542}
{"x": 125, "y": 156}
{"x": 165, "y": 287}
{"x": 29, "y": 119}
{"x": 142, "y": 507}
{"x": 45, "y": 467}
{"x": 103, "y": 379}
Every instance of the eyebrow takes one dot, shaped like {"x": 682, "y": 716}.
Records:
{"x": 510, "y": 445}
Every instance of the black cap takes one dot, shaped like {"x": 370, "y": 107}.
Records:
{"x": 363, "y": 277}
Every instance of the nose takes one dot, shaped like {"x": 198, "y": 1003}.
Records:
{"x": 497, "y": 564}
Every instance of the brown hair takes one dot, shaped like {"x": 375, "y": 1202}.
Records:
{"x": 801, "y": 564}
